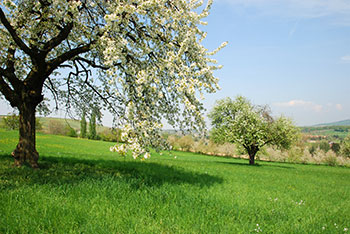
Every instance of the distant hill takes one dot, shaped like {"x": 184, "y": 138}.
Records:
{"x": 338, "y": 123}
{"x": 333, "y": 131}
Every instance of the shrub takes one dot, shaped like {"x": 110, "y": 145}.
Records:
{"x": 56, "y": 127}
{"x": 312, "y": 149}
{"x": 345, "y": 147}
{"x": 173, "y": 141}
{"x": 111, "y": 135}
{"x": 335, "y": 147}
{"x": 11, "y": 122}
{"x": 330, "y": 159}
{"x": 295, "y": 155}
{"x": 71, "y": 132}
{"x": 186, "y": 142}
{"x": 324, "y": 145}
{"x": 38, "y": 125}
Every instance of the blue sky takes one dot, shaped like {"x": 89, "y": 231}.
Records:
{"x": 293, "y": 55}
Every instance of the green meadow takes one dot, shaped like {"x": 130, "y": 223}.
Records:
{"x": 83, "y": 188}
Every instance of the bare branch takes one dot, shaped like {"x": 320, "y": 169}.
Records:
{"x": 53, "y": 91}
{"x": 6, "y": 90}
{"x": 91, "y": 63}
{"x": 59, "y": 38}
{"x": 53, "y": 64}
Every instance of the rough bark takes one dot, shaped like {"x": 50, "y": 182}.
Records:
{"x": 251, "y": 159}
{"x": 25, "y": 150}
{"x": 252, "y": 151}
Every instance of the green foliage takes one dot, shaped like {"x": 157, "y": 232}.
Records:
{"x": 111, "y": 135}
{"x": 331, "y": 159}
{"x": 38, "y": 125}
{"x": 312, "y": 149}
{"x": 186, "y": 142}
{"x": 70, "y": 131}
{"x": 252, "y": 127}
{"x": 345, "y": 147}
{"x": 324, "y": 145}
{"x": 83, "y": 126}
{"x": 11, "y": 122}
{"x": 84, "y": 188}
{"x": 335, "y": 147}
{"x": 92, "y": 126}
{"x": 56, "y": 127}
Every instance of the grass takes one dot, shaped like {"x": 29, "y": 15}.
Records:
{"x": 84, "y": 188}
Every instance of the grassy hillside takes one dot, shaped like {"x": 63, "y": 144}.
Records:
{"x": 329, "y": 131}
{"x": 338, "y": 123}
{"x": 45, "y": 122}
{"x": 84, "y": 188}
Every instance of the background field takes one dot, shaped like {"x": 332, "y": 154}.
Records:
{"x": 83, "y": 188}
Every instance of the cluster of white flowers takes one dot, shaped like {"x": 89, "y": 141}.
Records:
{"x": 158, "y": 78}
{"x": 258, "y": 229}
{"x": 300, "y": 203}
{"x": 336, "y": 226}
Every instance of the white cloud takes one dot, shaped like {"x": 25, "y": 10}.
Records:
{"x": 345, "y": 59}
{"x": 298, "y": 8}
{"x": 339, "y": 107}
{"x": 307, "y": 105}
{"x": 301, "y": 103}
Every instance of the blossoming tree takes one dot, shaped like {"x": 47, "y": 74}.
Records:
{"x": 142, "y": 59}
{"x": 252, "y": 127}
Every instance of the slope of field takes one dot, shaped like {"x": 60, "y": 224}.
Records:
{"x": 338, "y": 123}
{"x": 45, "y": 122}
{"x": 83, "y": 188}
{"x": 328, "y": 131}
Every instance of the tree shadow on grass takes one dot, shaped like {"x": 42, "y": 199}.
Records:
{"x": 257, "y": 164}
{"x": 65, "y": 170}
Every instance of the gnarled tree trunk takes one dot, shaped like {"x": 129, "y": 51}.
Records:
{"x": 252, "y": 151}
{"x": 251, "y": 159}
{"x": 25, "y": 150}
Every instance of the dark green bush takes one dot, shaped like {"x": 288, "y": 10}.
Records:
{"x": 71, "y": 132}
{"x": 324, "y": 145}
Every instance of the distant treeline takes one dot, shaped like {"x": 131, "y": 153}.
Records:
{"x": 326, "y": 128}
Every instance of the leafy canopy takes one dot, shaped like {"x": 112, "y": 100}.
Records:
{"x": 239, "y": 121}
{"x": 345, "y": 147}
{"x": 143, "y": 59}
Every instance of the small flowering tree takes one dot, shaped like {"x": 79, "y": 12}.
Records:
{"x": 142, "y": 59}
{"x": 252, "y": 127}
{"x": 345, "y": 147}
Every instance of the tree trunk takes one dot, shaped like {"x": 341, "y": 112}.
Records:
{"x": 252, "y": 152}
{"x": 25, "y": 150}
{"x": 251, "y": 159}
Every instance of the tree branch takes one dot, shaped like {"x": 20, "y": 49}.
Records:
{"x": 53, "y": 64}
{"x": 14, "y": 35}
{"x": 91, "y": 63}
{"x": 6, "y": 90}
{"x": 53, "y": 91}
{"x": 59, "y": 38}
